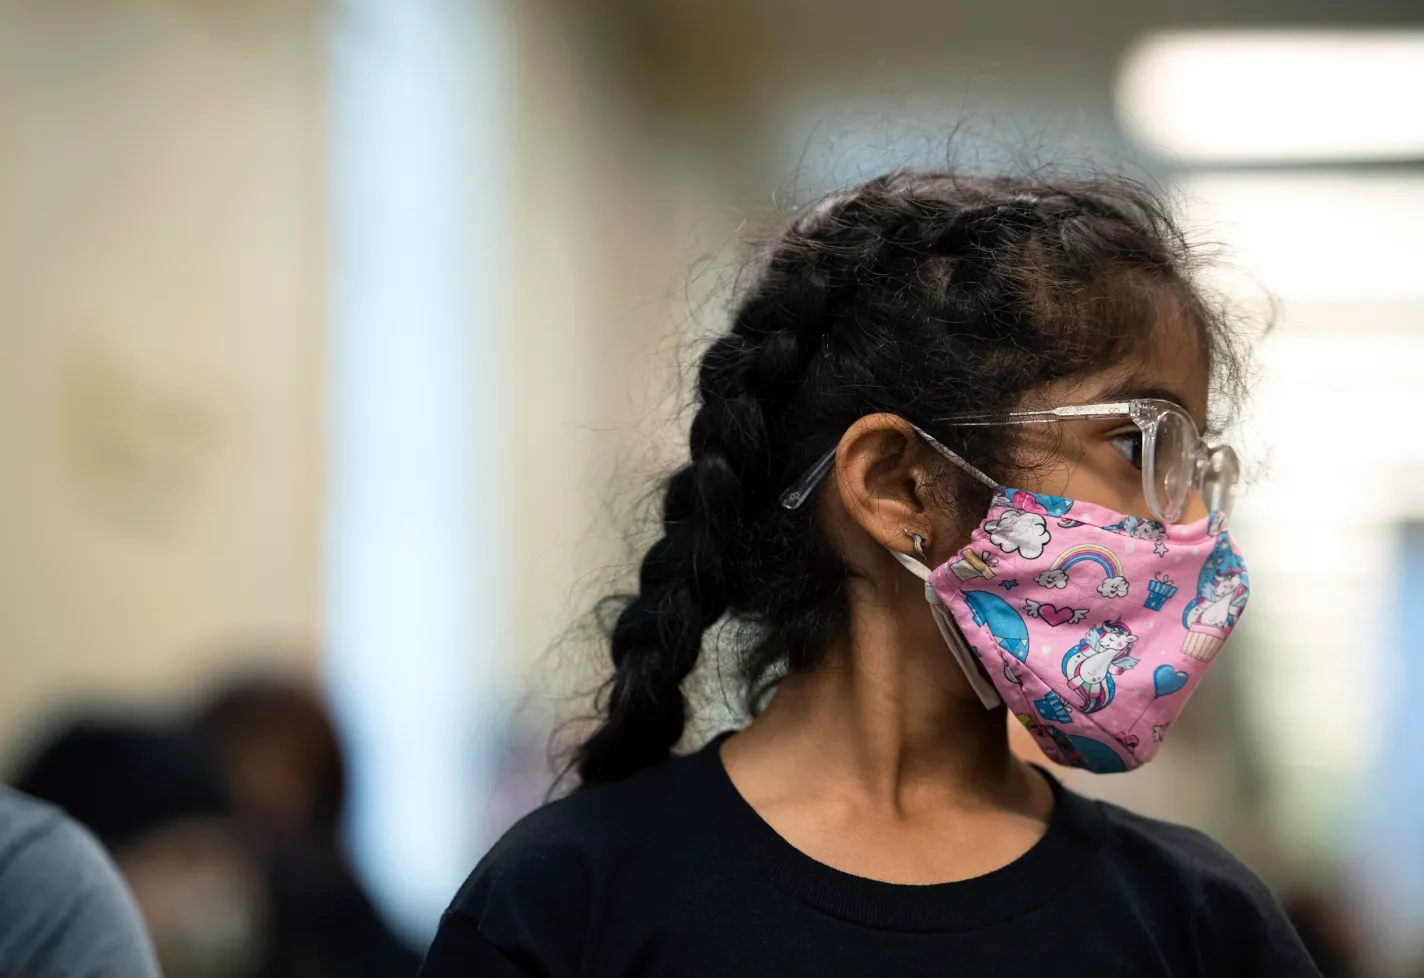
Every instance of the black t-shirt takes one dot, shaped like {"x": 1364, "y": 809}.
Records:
{"x": 671, "y": 872}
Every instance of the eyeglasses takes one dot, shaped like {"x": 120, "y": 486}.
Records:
{"x": 1174, "y": 457}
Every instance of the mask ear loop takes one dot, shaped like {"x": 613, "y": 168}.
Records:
{"x": 984, "y": 689}
{"x": 801, "y": 490}
{"x": 953, "y": 637}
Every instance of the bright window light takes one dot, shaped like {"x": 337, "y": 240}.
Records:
{"x": 1315, "y": 235}
{"x": 419, "y": 390}
{"x": 1271, "y": 96}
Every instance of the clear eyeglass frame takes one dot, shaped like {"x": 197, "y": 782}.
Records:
{"x": 1175, "y": 457}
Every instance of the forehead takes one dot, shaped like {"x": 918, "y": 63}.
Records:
{"x": 1173, "y": 364}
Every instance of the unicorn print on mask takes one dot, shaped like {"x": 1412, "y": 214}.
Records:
{"x": 1035, "y": 502}
{"x": 1040, "y": 503}
{"x": 1082, "y": 752}
{"x": 1090, "y": 666}
{"x": 1222, "y": 589}
{"x": 1137, "y": 528}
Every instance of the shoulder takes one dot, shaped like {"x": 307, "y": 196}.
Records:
{"x": 1188, "y": 855}
{"x": 22, "y": 819}
{"x": 1237, "y": 924}
{"x": 542, "y": 875}
{"x": 609, "y": 814}
{"x": 63, "y": 907}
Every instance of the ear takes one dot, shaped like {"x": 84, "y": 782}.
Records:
{"x": 1131, "y": 639}
{"x": 882, "y": 471}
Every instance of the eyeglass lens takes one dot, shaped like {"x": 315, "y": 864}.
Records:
{"x": 1174, "y": 463}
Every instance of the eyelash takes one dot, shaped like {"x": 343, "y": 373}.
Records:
{"x": 1132, "y": 452}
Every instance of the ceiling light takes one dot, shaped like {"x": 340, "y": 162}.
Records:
{"x": 1272, "y": 96}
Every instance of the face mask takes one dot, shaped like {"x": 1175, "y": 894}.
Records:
{"x": 1093, "y": 627}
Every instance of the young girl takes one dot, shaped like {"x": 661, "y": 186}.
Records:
{"x": 911, "y": 349}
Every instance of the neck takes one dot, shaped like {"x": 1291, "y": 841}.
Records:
{"x": 889, "y": 716}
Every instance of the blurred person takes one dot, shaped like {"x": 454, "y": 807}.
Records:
{"x": 154, "y": 797}
{"x": 280, "y": 757}
{"x": 908, "y": 351}
{"x": 520, "y": 779}
{"x": 64, "y": 910}
{"x": 283, "y": 764}
{"x": 1327, "y": 930}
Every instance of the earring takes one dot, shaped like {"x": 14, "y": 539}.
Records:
{"x": 918, "y": 541}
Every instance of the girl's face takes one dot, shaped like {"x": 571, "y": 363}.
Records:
{"x": 883, "y": 470}
{"x": 1101, "y": 461}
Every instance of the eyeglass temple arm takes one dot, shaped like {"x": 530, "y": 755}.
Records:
{"x": 954, "y": 457}
{"x": 1117, "y": 409}
{"x": 801, "y": 490}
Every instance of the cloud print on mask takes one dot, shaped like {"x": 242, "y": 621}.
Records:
{"x": 1052, "y": 578}
{"x": 1020, "y": 532}
{"x": 1113, "y": 587}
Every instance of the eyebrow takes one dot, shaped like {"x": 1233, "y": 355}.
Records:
{"x": 1130, "y": 392}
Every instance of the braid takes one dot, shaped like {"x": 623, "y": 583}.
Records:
{"x": 686, "y": 581}
{"x": 656, "y": 641}
{"x": 688, "y": 578}
{"x": 919, "y": 294}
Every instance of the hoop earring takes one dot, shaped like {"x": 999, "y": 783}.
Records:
{"x": 918, "y": 541}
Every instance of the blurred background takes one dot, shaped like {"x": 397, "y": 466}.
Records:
{"x": 341, "y": 338}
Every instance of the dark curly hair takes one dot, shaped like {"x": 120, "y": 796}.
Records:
{"x": 920, "y": 294}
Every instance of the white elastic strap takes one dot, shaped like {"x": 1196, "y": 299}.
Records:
{"x": 914, "y": 567}
{"x": 984, "y": 689}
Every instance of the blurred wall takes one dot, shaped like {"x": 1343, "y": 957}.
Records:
{"x": 160, "y": 310}
{"x": 600, "y": 233}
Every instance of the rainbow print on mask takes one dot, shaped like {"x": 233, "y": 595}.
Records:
{"x": 1114, "y": 584}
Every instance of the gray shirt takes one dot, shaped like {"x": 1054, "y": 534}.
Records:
{"x": 64, "y": 910}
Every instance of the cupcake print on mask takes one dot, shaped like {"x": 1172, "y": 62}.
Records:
{"x": 1222, "y": 589}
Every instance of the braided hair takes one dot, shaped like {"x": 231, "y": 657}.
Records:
{"x": 918, "y": 294}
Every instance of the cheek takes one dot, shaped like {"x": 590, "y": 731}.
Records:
{"x": 1099, "y": 476}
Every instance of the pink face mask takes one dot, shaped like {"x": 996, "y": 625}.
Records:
{"x": 1093, "y": 627}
